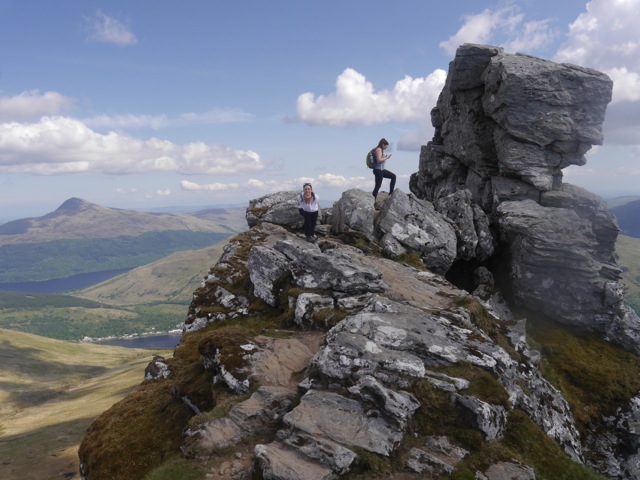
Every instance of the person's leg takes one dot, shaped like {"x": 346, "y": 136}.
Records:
{"x": 392, "y": 177}
{"x": 313, "y": 219}
{"x": 307, "y": 228}
{"x": 378, "y": 174}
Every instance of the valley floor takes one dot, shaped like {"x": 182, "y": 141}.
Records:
{"x": 50, "y": 392}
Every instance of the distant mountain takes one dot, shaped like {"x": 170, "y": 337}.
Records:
{"x": 82, "y": 237}
{"x": 628, "y": 252}
{"x": 170, "y": 279}
{"x": 628, "y": 216}
{"x": 80, "y": 219}
{"x": 618, "y": 201}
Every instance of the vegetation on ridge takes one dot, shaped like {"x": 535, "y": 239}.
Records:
{"x": 28, "y": 262}
{"x": 628, "y": 252}
{"x": 51, "y": 392}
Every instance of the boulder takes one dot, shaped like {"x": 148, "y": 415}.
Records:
{"x": 406, "y": 224}
{"x": 354, "y": 211}
{"x": 280, "y": 208}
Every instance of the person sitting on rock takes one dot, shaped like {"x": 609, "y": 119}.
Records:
{"x": 308, "y": 208}
{"x": 379, "y": 171}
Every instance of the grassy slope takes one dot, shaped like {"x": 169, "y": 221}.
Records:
{"x": 80, "y": 237}
{"x": 171, "y": 279}
{"x": 154, "y": 296}
{"x": 50, "y": 391}
{"x": 628, "y": 251}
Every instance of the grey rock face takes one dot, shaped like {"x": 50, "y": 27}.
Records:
{"x": 336, "y": 268}
{"x": 280, "y": 208}
{"x": 406, "y": 224}
{"x": 475, "y": 239}
{"x": 354, "y": 211}
{"x": 488, "y": 192}
{"x": 571, "y": 284}
{"x": 266, "y": 266}
{"x": 157, "y": 369}
{"x": 509, "y": 125}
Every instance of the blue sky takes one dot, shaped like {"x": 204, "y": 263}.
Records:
{"x": 153, "y": 104}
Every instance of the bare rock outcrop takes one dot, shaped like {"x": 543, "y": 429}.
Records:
{"x": 314, "y": 361}
{"x": 506, "y": 127}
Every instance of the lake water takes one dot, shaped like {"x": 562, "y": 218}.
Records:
{"x": 166, "y": 341}
{"x": 76, "y": 282}
{"x": 61, "y": 285}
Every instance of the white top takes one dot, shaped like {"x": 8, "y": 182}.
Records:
{"x": 312, "y": 206}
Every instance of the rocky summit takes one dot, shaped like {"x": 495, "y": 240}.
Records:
{"x": 474, "y": 327}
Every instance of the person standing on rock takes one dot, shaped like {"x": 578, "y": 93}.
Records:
{"x": 308, "y": 208}
{"x": 379, "y": 172}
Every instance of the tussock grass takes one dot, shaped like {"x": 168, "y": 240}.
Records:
{"x": 413, "y": 259}
{"x": 137, "y": 435}
{"x": 628, "y": 253}
{"x": 596, "y": 377}
{"x": 176, "y": 468}
{"x": 495, "y": 329}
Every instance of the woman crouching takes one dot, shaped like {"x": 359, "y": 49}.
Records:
{"x": 308, "y": 208}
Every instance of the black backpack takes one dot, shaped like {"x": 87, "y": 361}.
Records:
{"x": 371, "y": 159}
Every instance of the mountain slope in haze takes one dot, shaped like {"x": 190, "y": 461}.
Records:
{"x": 80, "y": 219}
{"x": 628, "y": 216}
{"x": 171, "y": 279}
{"x": 50, "y": 391}
{"x": 81, "y": 237}
{"x": 618, "y": 201}
{"x": 151, "y": 298}
{"x": 628, "y": 252}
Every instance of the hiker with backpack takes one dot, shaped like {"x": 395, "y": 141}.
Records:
{"x": 376, "y": 160}
{"x": 308, "y": 207}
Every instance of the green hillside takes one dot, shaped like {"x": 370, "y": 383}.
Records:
{"x": 50, "y": 392}
{"x": 628, "y": 216}
{"x": 150, "y": 298}
{"x": 26, "y": 262}
{"x": 628, "y": 252}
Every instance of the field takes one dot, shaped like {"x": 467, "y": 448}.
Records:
{"x": 51, "y": 392}
{"x": 151, "y": 298}
{"x": 628, "y": 252}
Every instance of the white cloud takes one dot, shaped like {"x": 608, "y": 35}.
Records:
{"x": 106, "y": 29}
{"x": 124, "y": 191}
{"x": 210, "y": 187}
{"x": 605, "y": 38}
{"x": 32, "y": 105}
{"x": 257, "y": 187}
{"x": 163, "y": 193}
{"x": 157, "y": 122}
{"x": 56, "y": 145}
{"x": 355, "y": 102}
{"x": 504, "y": 27}
{"x": 338, "y": 181}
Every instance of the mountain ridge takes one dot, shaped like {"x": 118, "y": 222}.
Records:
{"x": 80, "y": 219}
{"x": 82, "y": 237}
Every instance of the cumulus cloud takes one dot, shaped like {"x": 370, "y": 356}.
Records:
{"x": 106, "y": 29}
{"x": 605, "y": 37}
{"x": 356, "y": 103}
{"x": 32, "y": 105}
{"x": 56, "y": 145}
{"x": 263, "y": 187}
{"x": 157, "y": 122}
{"x": 503, "y": 26}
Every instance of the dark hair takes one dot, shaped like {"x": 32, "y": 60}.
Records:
{"x": 305, "y": 184}
{"x": 382, "y": 143}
